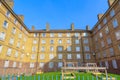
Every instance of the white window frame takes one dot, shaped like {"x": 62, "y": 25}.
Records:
{"x": 6, "y": 64}
{"x": 42, "y": 56}
{"x": 114, "y": 64}
{"x": 115, "y": 23}
{"x": 9, "y": 52}
{"x": 2, "y": 35}
{"x": 1, "y": 47}
{"x": 88, "y": 56}
{"x": 69, "y": 56}
{"x": 60, "y": 64}
{"x": 60, "y": 56}
{"x": 78, "y": 56}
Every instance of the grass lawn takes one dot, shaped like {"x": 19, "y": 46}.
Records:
{"x": 57, "y": 76}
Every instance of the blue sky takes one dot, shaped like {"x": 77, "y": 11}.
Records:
{"x": 60, "y": 13}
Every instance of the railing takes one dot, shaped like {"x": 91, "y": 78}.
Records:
{"x": 55, "y": 77}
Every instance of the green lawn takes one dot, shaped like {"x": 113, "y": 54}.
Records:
{"x": 57, "y": 76}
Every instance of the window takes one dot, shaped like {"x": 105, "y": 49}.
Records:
{"x": 51, "y": 64}
{"x": 117, "y": 35}
{"x": 34, "y": 41}
{"x": 77, "y": 41}
{"x": 51, "y": 48}
{"x": 34, "y": 48}
{"x": 107, "y": 30}
{"x": 14, "y": 64}
{"x": 22, "y": 55}
{"x": 60, "y": 41}
{"x": 85, "y": 41}
{"x": 42, "y": 48}
{"x": 85, "y": 34}
{"x": 15, "y": 21}
{"x": 20, "y": 65}
{"x": 9, "y": 52}
{"x": 68, "y": 34}
{"x": 109, "y": 40}
{"x": 104, "y": 54}
{"x": 69, "y": 48}
{"x": 111, "y": 51}
{"x": 25, "y": 39}
{"x": 5, "y": 24}
{"x": 43, "y": 34}
{"x": 33, "y": 56}
{"x": 76, "y": 34}
{"x": 18, "y": 44}
{"x": 87, "y": 48}
{"x": 23, "y": 47}
{"x": 59, "y": 56}
{"x": 16, "y": 54}
{"x": 21, "y": 28}
{"x": 114, "y": 64}
{"x": 96, "y": 39}
{"x": 51, "y": 56}
{"x": 119, "y": 46}
{"x": 51, "y": 34}
{"x": 69, "y": 56}
{"x": 1, "y": 48}
{"x": 87, "y": 56}
{"x": 8, "y": 14}
{"x": 68, "y": 41}
{"x": 59, "y": 34}
{"x": 106, "y": 64}
{"x": 100, "y": 63}
{"x": 35, "y": 34}
{"x": 60, "y": 48}
{"x": 41, "y": 65}
{"x": 0, "y": 3}
{"x": 6, "y": 64}
{"x": 100, "y": 35}
{"x": 42, "y": 56}
{"x": 20, "y": 35}
{"x": 13, "y": 30}
{"x": 112, "y": 13}
{"x": 78, "y": 56}
{"x": 11, "y": 41}
{"x": 115, "y": 23}
{"x": 99, "y": 27}
{"x": 31, "y": 65}
{"x": 2, "y": 36}
{"x": 102, "y": 43}
{"x": 60, "y": 64}
{"x": 43, "y": 41}
{"x": 105, "y": 21}
{"x": 99, "y": 55}
{"x": 51, "y": 41}
{"x": 77, "y": 48}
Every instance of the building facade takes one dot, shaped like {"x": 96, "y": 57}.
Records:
{"x": 29, "y": 51}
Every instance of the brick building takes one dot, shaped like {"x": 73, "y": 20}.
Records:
{"x": 27, "y": 51}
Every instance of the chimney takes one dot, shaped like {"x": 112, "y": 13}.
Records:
{"x": 87, "y": 27}
{"x": 110, "y": 2}
{"x": 99, "y": 16}
{"x": 33, "y": 28}
{"x": 72, "y": 26}
{"x": 10, "y": 3}
{"x": 47, "y": 27}
{"x": 21, "y": 17}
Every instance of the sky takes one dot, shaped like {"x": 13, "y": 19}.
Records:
{"x": 60, "y": 13}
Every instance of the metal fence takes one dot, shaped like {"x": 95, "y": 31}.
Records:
{"x": 55, "y": 77}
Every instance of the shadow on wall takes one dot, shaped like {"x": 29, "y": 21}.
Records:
{"x": 68, "y": 54}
